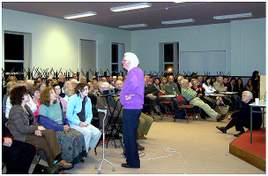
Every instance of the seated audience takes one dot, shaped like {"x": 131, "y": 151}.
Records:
{"x": 240, "y": 86}
{"x": 171, "y": 87}
{"x": 241, "y": 118}
{"x": 145, "y": 123}
{"x": 36, "y": 99}
{"x": 30, "y": 103}
{"x": 255, "y": 79}
{"x": 16, "y": 155}
{"x": 207, "y": 85}
{"x": 191, "y": 96}
{"x": 52, "y": 117}
{"x": 232, "y": 85}
{"x": 61, "y": 81}
{"x": 151, "y": 96}
{"x": 219, "y": 84}
{"x": 60, "y": 100}
{"x": 79, "y": 115}
{"x": 22, "y": 127}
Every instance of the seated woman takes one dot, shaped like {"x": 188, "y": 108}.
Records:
{"x": 79, "y": 115}
{"x": 21, "y": 126}
{"x": 52, "y": 117}
{"x": 36, "y": 99}
{"x": 14, "y": 152}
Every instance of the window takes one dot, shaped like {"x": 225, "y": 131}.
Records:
{"x": 115, "y": 53}
{"x": 168, "y": 52}
{"x": 14, "y": 52}
{"x": 118, "y": 50}
{"x": 169, "y": 61}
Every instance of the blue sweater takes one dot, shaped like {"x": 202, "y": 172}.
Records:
{"x": 75, "y": 106}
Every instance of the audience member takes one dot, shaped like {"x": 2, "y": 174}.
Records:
{"x": 20, "y": 124}
{"x": 52, "y": 117}
{"x": 191, "y": 96}
{"x": 16, "y": 155}
{"x": 241, "y": 118}
{"x": 79, "y": 115}
{"x": 255, "y": 79}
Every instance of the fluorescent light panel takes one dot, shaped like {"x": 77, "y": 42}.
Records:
{"x": 178, "y": 1}
{"x": 80, "y": 15}
{"x": 131, "y": 7}
{"x": 233, "y": 16}
{"x": 132, "y": 26}
{"x": 182, "y": 21}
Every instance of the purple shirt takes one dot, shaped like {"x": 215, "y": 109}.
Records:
{"x": 132, "y": 93}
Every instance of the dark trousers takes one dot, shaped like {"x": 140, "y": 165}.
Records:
{"x": 240, "y": 121}
{"x": 130, "y": 126}
{"x": 18, "y": 157}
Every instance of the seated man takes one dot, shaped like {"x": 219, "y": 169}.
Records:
{"x": 241, "y": 118}
{"x": 145, "y": 122}
{"x": 171, "y": 88}
{"x": 151, "y": 95}
{"x": 191, "y": 96}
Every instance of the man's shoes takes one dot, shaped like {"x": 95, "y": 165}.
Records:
{"x": 128, "y": 166}
{"x": 140, "y": 147}
{"x": 65, "y": 165}
{"x": 222, "y": 129}
{"x": 238, "y": 134}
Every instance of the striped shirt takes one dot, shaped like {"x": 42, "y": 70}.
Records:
{"x": 188, "y": 93}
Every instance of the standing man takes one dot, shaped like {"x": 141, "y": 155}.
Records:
{"x": 132, "y": 99}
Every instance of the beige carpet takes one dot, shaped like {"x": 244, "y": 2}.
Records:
{"x": 177, "y": 147}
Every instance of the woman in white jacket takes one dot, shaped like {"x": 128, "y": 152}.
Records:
{"x": 209, "y": 89}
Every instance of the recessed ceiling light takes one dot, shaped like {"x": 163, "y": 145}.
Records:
{"x": 132, "y": 26}
{"x": 188, "y": 20}
{"x": 131, "y": 7}
{"x": 233, "y": 16}
{"x": 80, "y": 15}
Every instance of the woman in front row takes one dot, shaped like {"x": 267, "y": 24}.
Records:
{"x": 51, "y": 116}
{"x": 21, "y": 125}
{"x": 79, "y": 115}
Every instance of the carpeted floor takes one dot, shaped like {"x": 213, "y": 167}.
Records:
{"x": 254, "y": 153}
{"x": 177, "y": 147}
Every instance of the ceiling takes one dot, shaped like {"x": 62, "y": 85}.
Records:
{"x": 201, "y": 12}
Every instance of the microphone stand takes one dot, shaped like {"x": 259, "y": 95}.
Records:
{"x": 103, "y": 141}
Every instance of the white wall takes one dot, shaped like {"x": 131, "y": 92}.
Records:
{"x": 248, "y": 46}
{"x": 55, "y": 42}
{"x": 239, "y": 48}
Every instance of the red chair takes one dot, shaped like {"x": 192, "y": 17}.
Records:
{"x": 190, "y": 110}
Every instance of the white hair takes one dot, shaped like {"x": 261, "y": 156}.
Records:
{"x": 249, "y": 94}
{"x": 134, "y": 60}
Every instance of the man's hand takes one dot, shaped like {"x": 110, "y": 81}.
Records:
{"x": 7, "y": 141}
